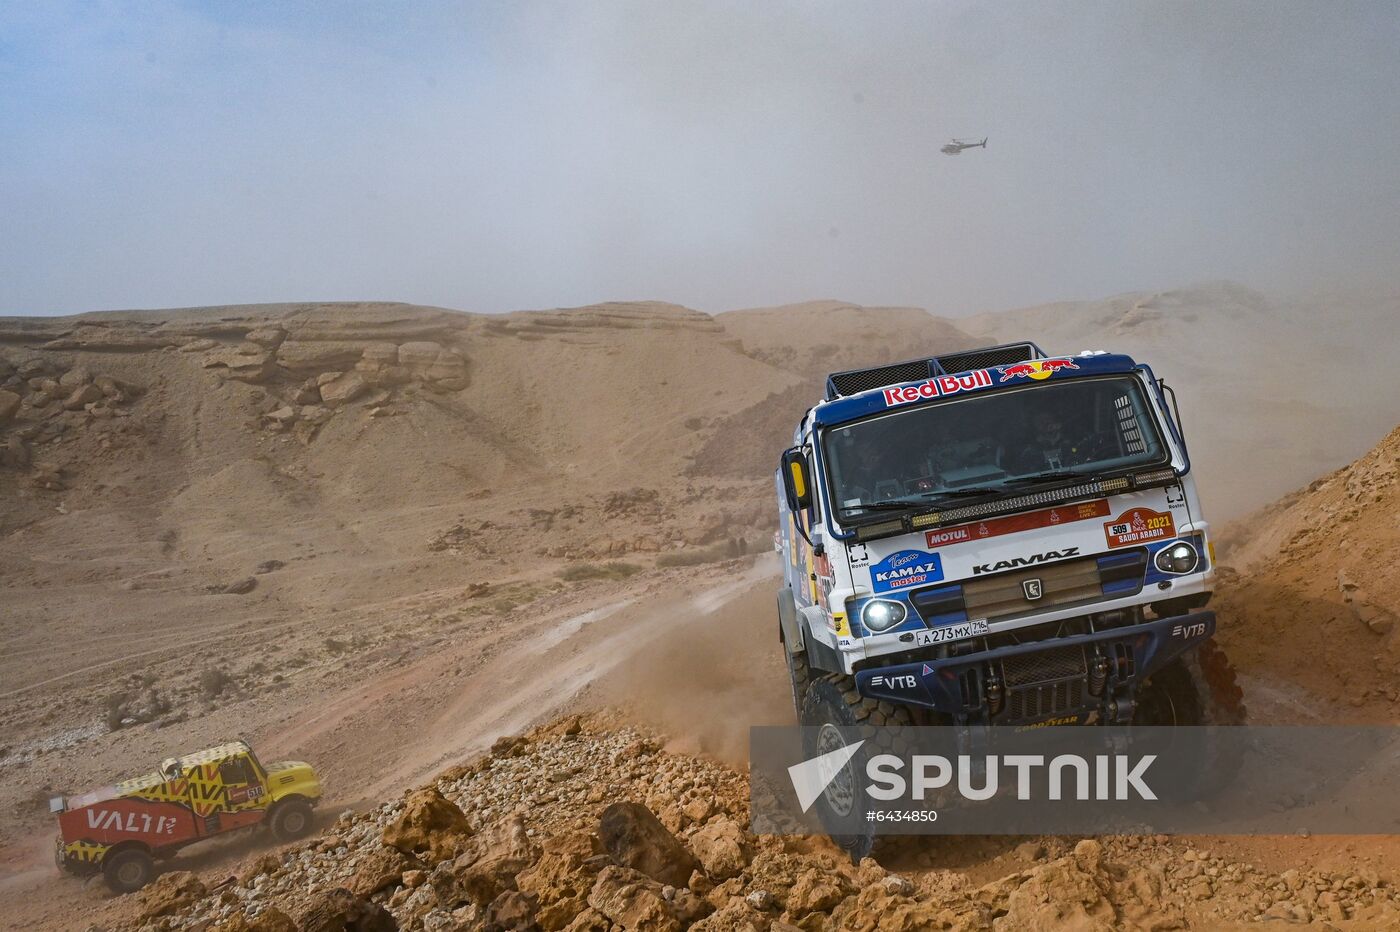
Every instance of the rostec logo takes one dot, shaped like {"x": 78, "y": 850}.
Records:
{"x": 936, "y": 386}
{"x": 1038, "y": 369}
{"x": 902, "y": 681}
{"x": 1031, "y": 560}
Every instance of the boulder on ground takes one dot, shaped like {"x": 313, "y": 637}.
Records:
{"x": 83, "y": 395}
{"x": 270, "y": 919}
{"x": 429, "y": 827}
{"x": 720, "y": 848}
{"x": 318, "y": 355}
{"x": 560, "y": 884}
{"x": 635, "y": 838}
{"x": 339, "y": 910}
{"x": 512, "y": 911}
{"x": 9, "y": 404}
{"x": 382, "y": 868}
{"x": 76, "y": 377}
{"x": 345, "y": 389}
{"x": 492, "y": 859}
{"x": 169, "y": 893}
{"x": 632, "y": 901}
{"x": 271, "y": 337}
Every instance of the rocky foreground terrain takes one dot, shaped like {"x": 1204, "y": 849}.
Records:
{"x": 585, "y": 825}
{"x": 379, "y": 537}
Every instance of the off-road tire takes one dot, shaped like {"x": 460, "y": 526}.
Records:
{"x": 832, "y": 703}
{"x": 1199, "y": 688}
{"x": 290, "y": 820}
{"x": 800, "y": 676}
{"x": 128, "y": 870}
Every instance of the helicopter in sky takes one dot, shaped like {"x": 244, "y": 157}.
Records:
{"x": 957, "y": 145}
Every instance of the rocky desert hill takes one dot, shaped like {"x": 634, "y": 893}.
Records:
{"x": 588, "y": 826}
{"x": 1312, "y": 597}
{"x": 378, "y": 536}
{"x": 590, "y": 823}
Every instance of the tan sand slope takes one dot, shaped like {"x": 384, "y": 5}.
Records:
{"x": 1316, "y": 602}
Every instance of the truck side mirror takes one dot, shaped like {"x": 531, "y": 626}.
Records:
{"x": 797, "y": 479}
{"x": 1176, "y": 411}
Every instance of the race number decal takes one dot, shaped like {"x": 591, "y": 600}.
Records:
{"x": 1138, "y": 526}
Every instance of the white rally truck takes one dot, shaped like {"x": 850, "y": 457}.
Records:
{"x": 997, "y": 537}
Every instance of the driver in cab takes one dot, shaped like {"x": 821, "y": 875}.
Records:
{"x": 1051, "y": 449}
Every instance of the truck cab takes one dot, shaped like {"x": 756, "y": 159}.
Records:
{"x": 122, "y": 829}
{"x": 997, "y": 537}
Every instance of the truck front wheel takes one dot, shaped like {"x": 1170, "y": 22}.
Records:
{"x": 800, "y": 675}
{"x": 832, "y": 710}
{"x": 1197, "y": 689}
{"x": 128, "y": 870}
{"x": 290, "y": 820}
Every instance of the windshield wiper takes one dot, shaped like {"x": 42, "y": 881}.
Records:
{"x": 880, "y": 506}
{"x": 963, "y": 492}
{"x": 1050, "y": 476}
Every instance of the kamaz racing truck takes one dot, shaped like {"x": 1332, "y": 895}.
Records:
{"x": 998, "y": 537}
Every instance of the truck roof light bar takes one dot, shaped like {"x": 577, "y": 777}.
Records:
{"x": 855, "y": 381}
{"x": 1156, "y": 477}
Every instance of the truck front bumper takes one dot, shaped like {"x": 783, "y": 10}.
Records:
{"x": 1067, "y": 677}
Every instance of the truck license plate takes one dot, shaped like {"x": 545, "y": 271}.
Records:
{"x": 968, "y": 629}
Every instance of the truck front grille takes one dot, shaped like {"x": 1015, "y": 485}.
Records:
{"x": 1067, "y": 582}
{"x": 1040, "y": 702}
{"x": 1045, "y": 683}
{"x": 1044, "y": 666}
{"x": 1064, "y": 583}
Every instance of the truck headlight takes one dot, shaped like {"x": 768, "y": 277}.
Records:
{"x": 881, "y": 615}
{"x": 1177, "y": 558}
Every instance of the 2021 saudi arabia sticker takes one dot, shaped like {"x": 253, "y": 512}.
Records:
{"x": 1138, "y": 526}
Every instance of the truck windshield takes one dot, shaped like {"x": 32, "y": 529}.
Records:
{"x": 996, "y": 443}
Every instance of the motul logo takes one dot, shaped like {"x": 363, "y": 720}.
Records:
{"x": 1031, "y": 560}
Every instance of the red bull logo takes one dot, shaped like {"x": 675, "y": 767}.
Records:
{"x": 1036, "y": 369}
{"x": 936, "y": 386}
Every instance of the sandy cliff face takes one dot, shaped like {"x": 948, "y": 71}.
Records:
{"x": 1312, "y": 602}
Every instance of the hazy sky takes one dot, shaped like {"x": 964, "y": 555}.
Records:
{"x": 492, "y": 156}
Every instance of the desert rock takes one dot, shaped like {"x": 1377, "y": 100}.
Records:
{"x": 430, "y": 827}
{"x": 635, "y": 838}
{"x": 9, "y": 404}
